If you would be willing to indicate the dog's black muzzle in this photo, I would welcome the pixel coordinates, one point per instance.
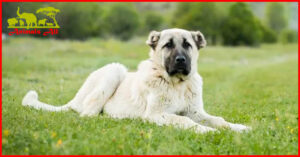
(180, 64)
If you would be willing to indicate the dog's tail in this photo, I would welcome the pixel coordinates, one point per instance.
(31, 100)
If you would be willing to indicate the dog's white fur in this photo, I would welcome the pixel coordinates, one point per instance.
(150, 93)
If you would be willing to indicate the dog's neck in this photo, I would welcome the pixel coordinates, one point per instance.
(160, 72)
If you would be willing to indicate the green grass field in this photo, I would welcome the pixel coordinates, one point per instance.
(252, 86)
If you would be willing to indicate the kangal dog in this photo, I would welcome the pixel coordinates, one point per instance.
(166, 89)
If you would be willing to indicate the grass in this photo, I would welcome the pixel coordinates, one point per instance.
(252, 86)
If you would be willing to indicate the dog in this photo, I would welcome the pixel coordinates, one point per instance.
(166, 89)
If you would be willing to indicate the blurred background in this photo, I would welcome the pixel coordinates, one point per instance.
(222, 23)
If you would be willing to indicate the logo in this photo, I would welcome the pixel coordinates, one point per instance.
(25, 21)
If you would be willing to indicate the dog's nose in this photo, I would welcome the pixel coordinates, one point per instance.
(180, 59)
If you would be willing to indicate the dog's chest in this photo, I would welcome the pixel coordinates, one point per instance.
(177, 99)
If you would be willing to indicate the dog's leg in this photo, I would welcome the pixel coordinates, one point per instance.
(198, 114)
(177, 121)
(155, 113)
(107, 82)
(93, 103)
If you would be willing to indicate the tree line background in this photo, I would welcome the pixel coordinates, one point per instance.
(225, 23)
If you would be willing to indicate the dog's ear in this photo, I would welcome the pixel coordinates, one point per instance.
(153, 39)
(199, 39)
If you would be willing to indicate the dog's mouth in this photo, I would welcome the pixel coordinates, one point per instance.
(179, 69)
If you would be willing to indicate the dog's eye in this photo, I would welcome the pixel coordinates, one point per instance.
(186, 45)
(169, 45)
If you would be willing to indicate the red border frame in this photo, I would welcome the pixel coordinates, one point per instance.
(1, 77)
(144, 1)
(149, 1)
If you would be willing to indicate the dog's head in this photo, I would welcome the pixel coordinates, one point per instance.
(176, 50)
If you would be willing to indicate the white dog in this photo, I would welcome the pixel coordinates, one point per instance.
(166, 89)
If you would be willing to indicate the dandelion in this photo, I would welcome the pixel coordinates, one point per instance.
(4, 141)
(59, 142)
(292, 130)
(277, 119)
(53, 134)
(6, 132)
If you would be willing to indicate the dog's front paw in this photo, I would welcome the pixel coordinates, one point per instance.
(204, 129)
(88, 114)
(239, 127)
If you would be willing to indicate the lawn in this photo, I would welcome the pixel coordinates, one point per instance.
(253, 86)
